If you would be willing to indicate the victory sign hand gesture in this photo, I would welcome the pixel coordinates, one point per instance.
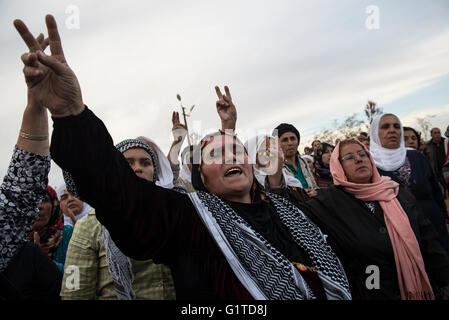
(226, 109)
(51, 83)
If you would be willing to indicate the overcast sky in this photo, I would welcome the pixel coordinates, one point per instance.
(302, 62)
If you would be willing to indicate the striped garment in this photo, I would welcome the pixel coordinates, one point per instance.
(87, 252)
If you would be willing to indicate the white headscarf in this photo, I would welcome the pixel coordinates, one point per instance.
(86, 208)
(386, 159)
(290, 179)
(307, 157)
(166, 174)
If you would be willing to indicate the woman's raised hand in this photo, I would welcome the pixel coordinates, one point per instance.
(51, 83)
(179, 132)
(226, 109)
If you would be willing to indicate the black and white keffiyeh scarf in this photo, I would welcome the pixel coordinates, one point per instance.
(261, 268)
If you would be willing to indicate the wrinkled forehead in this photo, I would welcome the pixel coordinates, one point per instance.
(389, 118)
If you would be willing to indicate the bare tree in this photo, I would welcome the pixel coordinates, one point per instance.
(371, 111)
(424, 124)
(350, 127)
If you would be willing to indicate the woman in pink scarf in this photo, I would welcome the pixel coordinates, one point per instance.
(388, 248)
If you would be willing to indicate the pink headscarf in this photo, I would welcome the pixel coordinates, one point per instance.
(413, 281)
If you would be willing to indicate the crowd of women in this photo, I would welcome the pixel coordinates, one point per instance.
(358, 218)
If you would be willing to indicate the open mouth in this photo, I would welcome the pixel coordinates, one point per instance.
(233, 171)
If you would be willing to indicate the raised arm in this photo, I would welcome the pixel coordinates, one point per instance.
(140, 216)
(51, 82)
(179, 132)
(24, 185)
(226, 109)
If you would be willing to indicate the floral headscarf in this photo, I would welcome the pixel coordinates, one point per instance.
(51, 234)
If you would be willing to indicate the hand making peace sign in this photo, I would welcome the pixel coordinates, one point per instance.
(51, 83)
(226, 109)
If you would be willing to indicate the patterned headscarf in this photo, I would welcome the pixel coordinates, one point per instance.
(164, 171)
(321, 170)
(136, 143)
(50, 234)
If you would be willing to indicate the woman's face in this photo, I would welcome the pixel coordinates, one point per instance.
(68, 201)
(326, 157)
(226, 170)
(410, 139)
(390, 132)
(141, 163)
(356, 163)
(46, 208)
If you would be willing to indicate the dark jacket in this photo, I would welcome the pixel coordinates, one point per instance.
(427, 192)
(360, 239)
(437, 157)
(147, 221)
(31, 275)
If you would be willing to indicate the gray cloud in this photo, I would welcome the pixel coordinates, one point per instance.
(304, 62)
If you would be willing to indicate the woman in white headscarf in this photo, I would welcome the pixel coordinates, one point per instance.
(410, 169)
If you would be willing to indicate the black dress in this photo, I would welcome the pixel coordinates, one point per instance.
(423, 185)
(31, 275)
(149, 222)
(357, 232)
